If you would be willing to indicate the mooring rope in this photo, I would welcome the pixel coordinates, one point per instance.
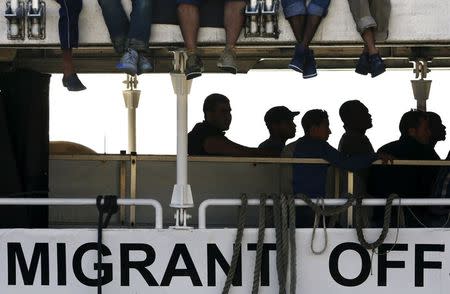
(237, 244)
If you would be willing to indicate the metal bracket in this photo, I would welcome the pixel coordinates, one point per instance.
(36, 20)
(421, 67)
(262, 19)
(179, 61)
(131, 82)
(16, 19)
(421, 87)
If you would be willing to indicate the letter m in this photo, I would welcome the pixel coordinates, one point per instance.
(40, 251)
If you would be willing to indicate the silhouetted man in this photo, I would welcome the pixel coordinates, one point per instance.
(208, 137)
(372, 22)
(357, 120)
(311, 179)
(189, 18)
(280, 123)
(407, 181)
(437, 128)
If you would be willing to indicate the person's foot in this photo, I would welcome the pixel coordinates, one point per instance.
(377, 66)
(129, 62)
(194, 66)
(73, 83)
(298, 60)
(227, 61)
(144, 65)
(363, 65)
(310, 67)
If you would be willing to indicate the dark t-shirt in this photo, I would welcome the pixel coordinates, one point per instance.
(273, 145)
(198, 135)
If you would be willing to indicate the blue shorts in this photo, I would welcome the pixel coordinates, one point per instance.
(298, 7)
(198, 2)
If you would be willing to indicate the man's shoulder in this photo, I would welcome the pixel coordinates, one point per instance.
(390, 146)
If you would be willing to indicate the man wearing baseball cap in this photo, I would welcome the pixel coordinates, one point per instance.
(280, 123)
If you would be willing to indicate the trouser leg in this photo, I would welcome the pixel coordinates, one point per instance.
(69, 13)
(117, 22)
(140, 24)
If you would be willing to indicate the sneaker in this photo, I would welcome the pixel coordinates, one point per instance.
(363, 65)
(310, 67)
(194, 66)
(129, 62)
(73, 83)
(227, 61)
(377, 66)
(144, 65)
(298, 61)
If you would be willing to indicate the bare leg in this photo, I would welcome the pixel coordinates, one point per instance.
(189, 18)
(68, 67)
(369, 41)
(298, 26)
(312, 23)
(233, 21)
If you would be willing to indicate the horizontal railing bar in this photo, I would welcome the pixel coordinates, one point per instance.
(172, 158)
(87, 202)
(327, 202)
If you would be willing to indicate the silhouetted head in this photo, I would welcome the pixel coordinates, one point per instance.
(217, 111)
(415, 124)
(315, 124)
(355, 116)
(280, 122)
(438, 130)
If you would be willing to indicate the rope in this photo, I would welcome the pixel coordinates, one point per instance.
(316, 223)
(320, 210)
(259, 246)
(110, 207)
(279, 240)
(386, 222)
(293, 245)
(237, 244)
(284, 219)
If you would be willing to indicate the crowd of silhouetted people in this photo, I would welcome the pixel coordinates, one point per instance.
(420, 131)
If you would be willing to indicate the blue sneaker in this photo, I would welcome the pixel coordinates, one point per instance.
(144, 65)
(377, 66)
(363, 65)
(298, 61)
(129, 62)
(310, 68)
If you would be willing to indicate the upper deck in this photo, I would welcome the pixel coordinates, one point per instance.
(417, 28)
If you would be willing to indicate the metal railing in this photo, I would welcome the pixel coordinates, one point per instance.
(87, 202)
(327, 202)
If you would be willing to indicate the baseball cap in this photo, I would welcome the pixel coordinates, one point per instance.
(279, 113)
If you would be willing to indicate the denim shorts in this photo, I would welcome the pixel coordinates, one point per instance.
(299, 7)
(199, 2)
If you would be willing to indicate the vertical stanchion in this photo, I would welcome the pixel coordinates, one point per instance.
(182, 194)
(133, 186)
(350, 188)
(122, 187)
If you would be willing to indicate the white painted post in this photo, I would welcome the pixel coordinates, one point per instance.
(131, 98)
(182, 194)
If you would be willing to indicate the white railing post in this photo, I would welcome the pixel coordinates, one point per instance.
(182, 194)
